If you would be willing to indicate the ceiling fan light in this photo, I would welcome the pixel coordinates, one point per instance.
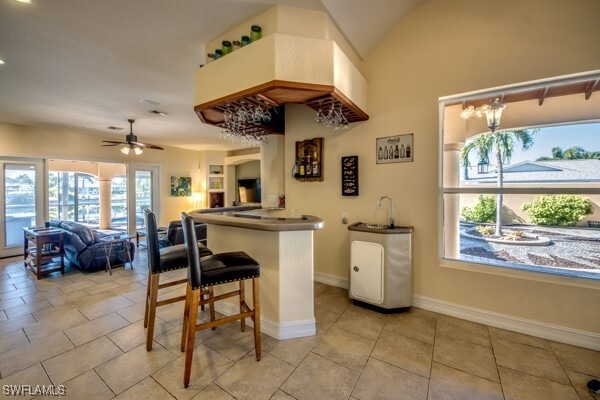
(138, 150)
(125, 150)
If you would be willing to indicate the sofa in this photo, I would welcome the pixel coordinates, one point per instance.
(85, 250)
(174, 234)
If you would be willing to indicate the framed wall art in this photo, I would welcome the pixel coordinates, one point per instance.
(394, 149)
(350, 176)
(181, 186)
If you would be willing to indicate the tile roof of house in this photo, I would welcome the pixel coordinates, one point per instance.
(563, 171)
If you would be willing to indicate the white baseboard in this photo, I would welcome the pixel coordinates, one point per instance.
(589, 340)
(556, 333)
(331, 280)
(276, 331)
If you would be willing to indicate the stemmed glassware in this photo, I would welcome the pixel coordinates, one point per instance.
(333, 118)
(239, 118)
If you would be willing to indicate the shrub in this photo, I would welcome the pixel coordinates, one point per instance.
(483, 211)
(514, 236)
(485, 230)
(559, 210)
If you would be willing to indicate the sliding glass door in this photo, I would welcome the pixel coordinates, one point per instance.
(144, 183)
(22, 200)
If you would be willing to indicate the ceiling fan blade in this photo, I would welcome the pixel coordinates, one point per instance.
(153, 146)
(113, 142)
(147, 145)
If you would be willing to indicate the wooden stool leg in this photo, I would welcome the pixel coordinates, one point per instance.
(186, 315)
(147, 308)
(242, 302)
(152, 312)
(211, 293)
(191, 334)
(256, 317)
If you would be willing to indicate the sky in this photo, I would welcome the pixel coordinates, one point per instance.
(586, 136)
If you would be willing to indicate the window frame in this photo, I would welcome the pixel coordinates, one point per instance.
(447, 261)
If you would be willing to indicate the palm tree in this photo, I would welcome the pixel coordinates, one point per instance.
(572, 153)
(502, 144)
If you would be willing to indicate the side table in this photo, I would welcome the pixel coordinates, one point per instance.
(108, 241)
(43, 250)
(144, 232)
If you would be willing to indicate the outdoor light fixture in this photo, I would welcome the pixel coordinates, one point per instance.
(483, 166)
(492, 112)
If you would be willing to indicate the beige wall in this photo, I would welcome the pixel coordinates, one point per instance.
(440, 49)
(21, 141)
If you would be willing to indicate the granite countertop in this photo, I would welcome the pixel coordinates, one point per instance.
(263, 219)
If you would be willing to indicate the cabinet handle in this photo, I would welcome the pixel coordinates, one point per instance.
(355, 268)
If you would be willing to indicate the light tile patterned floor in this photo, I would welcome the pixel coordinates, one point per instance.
(85, 331)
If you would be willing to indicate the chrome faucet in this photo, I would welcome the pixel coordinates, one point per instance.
(391, 208)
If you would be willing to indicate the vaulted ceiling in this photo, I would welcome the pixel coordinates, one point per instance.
(87, 65)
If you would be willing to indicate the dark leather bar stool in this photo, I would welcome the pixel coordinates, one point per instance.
(206, 273)
(161, 260)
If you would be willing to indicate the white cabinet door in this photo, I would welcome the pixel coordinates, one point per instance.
(366, 271)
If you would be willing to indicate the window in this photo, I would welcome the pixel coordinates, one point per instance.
(541, 165)
(118, 202)
(19, 201)
(73, 196)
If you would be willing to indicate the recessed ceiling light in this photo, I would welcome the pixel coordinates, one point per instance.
(2, 61)
(150, 102)
(157, 112)
(24, 1)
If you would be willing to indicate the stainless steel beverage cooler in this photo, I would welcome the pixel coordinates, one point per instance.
(381, 266)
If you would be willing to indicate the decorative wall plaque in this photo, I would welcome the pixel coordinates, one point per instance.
(350, 176)
(394, 149)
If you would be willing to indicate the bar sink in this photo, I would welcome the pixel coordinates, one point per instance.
(379, 228)
(372, 226)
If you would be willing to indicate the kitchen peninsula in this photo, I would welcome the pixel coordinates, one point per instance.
(283, 246)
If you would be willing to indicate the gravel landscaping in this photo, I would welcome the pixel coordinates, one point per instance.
(570, 251)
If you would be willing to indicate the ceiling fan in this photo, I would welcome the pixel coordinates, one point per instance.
(131, 144)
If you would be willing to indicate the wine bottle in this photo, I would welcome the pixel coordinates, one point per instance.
(302, 168)
(316, 171)
(396, 152)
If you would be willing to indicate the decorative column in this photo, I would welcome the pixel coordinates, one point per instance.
(452, 201)
(105, 208)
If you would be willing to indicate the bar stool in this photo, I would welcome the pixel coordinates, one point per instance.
(161, 260)
(206, 273)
